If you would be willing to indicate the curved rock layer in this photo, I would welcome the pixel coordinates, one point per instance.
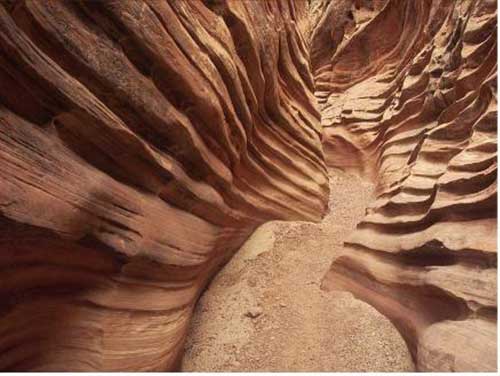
(141, 142)
(408, 97)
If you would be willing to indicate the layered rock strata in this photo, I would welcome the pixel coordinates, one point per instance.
(408, 98)
(141, 142)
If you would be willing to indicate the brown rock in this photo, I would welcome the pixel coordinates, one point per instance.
(254, 312)
(409, 101)
(141, 142)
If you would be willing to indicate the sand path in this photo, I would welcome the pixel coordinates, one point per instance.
(265, 310)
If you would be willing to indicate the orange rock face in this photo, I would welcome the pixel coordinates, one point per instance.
(408, 98)
(141, 142)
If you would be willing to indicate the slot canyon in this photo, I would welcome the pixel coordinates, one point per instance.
(343, 151)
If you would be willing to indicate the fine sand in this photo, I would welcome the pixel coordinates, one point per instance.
(265, 310)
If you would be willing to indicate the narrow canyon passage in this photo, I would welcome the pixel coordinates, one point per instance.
(143, 143)
(265, 310)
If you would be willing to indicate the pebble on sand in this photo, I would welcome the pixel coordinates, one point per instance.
(254, 312)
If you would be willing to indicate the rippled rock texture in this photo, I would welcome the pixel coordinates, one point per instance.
(141, 142)
(408, 98)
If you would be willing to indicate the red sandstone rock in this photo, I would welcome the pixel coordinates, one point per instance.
(141, 142)
(409, 100)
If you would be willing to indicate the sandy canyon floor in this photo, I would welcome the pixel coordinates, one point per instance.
(265, 310)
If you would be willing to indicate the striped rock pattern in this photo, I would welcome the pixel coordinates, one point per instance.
(408, 97)
(141, 142)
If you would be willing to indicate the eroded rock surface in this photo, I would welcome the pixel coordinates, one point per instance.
(408, 98)
(141, 142)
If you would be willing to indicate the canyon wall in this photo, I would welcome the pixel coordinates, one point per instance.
(408, 97)
(141, 142)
